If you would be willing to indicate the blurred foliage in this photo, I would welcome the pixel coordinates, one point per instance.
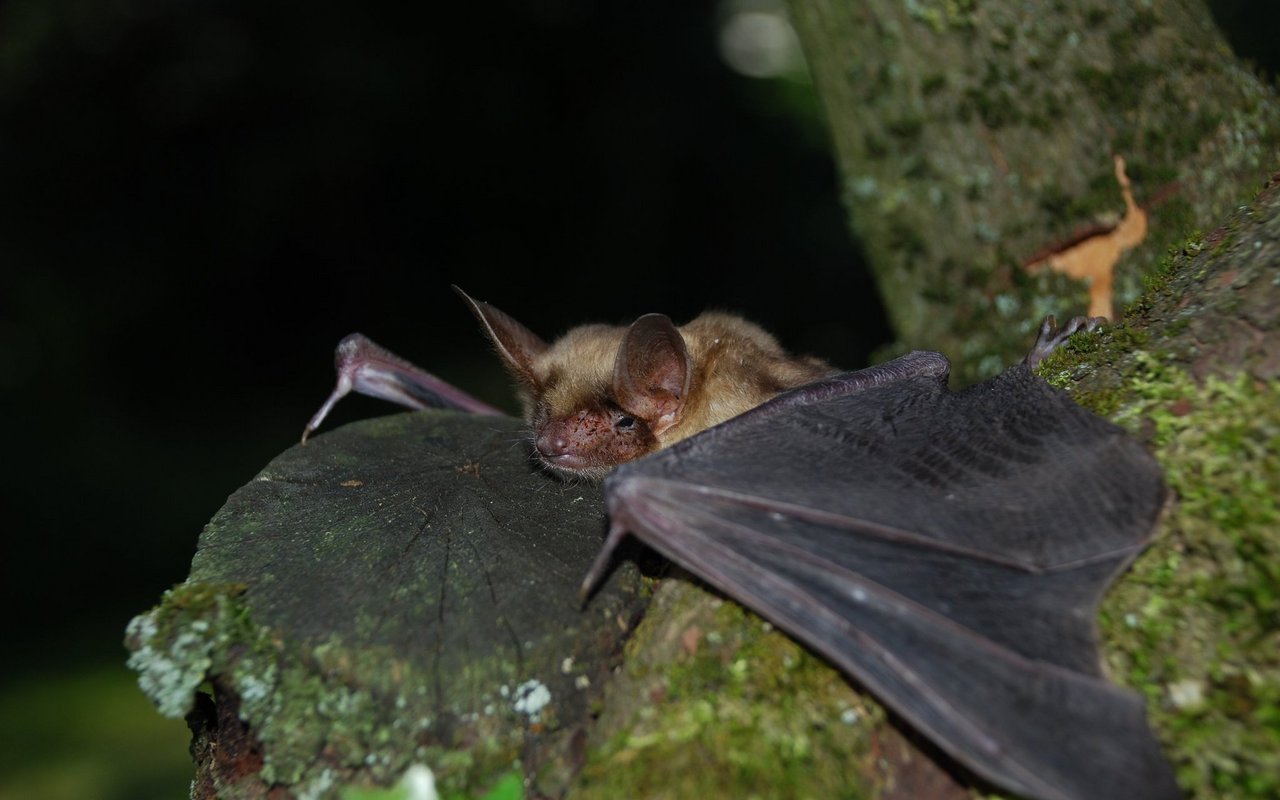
(88, 734)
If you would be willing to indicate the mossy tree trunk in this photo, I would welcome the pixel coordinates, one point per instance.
(972, 136)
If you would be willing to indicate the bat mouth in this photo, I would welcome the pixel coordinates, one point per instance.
(571, 467)
(569, 461)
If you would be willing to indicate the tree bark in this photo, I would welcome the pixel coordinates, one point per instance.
(971, 137)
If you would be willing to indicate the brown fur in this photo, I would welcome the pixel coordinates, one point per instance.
(737, 366)
(584, 424)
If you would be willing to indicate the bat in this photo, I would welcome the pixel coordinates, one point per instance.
(599, 395)
(947, 550)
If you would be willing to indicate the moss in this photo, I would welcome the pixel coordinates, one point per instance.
(905, 239)
(299, 701)
(1094, 16)
(1086, 352)
(943, 16)
(996, 100)
(730, 705)
(418, 783)
(919, 168)
(1196, 625)
(1054, 202)
(1158, 278)
(1121, 88)
(933, 83)
(1124, 38)
(1191, 136)
(174, 645)
(907, 128)
(876, 146)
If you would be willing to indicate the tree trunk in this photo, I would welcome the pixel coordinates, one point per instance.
(973, 137)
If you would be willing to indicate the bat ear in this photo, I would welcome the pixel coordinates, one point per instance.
(651, 373)
(517, 345)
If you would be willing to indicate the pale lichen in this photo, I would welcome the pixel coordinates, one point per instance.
(168, 670)
(531, 697)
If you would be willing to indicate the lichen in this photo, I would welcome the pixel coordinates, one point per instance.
(173, 645)
(531, 697)
(298, 702)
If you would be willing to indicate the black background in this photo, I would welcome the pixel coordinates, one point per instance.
(200, 199)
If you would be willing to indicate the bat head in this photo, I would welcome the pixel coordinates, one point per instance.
(597, 396)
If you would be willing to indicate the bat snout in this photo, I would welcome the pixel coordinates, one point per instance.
(550, 444)
(556, 448)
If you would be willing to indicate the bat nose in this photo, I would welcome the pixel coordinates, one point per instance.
(551, 445)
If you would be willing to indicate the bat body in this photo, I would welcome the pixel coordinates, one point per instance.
(601, 395)
(946, 549)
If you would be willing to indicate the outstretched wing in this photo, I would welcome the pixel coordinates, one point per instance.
(946, 549)
(367, 368)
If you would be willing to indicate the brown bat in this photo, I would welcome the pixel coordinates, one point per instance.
(601, 395)
(946, 549)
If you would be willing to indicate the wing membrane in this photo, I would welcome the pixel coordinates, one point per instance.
(948, 550)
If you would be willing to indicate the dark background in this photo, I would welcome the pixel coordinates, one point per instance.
(203, 200)
(197, 200)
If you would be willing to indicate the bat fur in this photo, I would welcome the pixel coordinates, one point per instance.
(601, 395)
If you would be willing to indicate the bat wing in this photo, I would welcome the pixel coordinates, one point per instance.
(367, 368)
(946, 549)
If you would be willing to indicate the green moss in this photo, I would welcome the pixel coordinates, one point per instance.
(1095, 80)
(904, 237)
(1121, 88)
(933, 83)
(418, 783)
(1196, 624)
(743, 707)
(993, 103)
(1094, 16)
(1054, 202)
(944, 15)
(907, 128)
(1125, 37)
(876, 146)
(1085, 352)
(918, 168)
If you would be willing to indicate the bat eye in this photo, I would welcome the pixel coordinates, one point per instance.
(625, 423)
